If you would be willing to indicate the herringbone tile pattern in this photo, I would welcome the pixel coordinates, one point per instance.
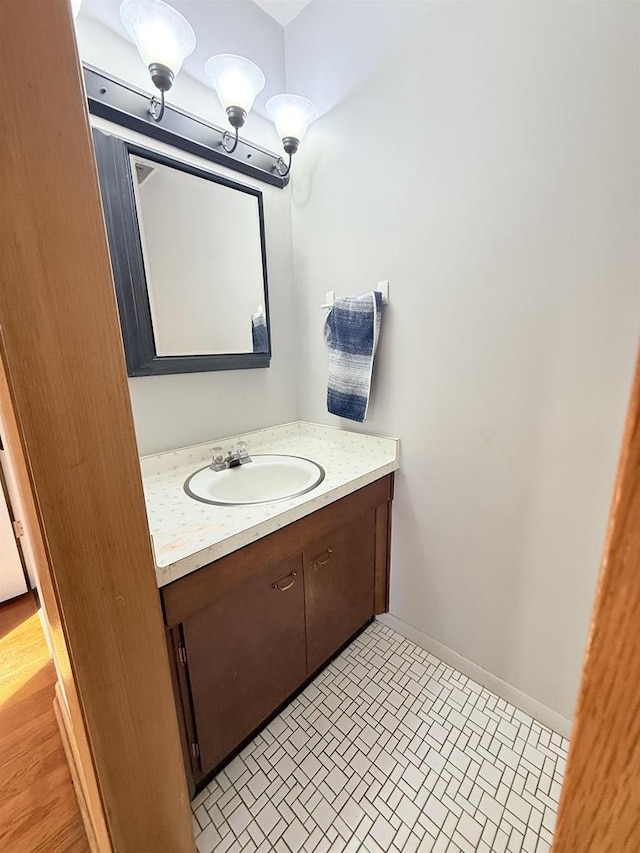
(388, 749)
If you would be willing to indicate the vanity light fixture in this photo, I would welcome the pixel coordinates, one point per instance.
(237, 81)
(292, 115)
(164, 39)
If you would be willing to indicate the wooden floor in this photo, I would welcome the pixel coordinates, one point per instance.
(38, 807)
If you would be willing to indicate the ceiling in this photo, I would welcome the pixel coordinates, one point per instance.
(284, 11)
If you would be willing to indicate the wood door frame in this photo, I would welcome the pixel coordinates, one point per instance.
(72, 439)
(66, 704)
(599, 807)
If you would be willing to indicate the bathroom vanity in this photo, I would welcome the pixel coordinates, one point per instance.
(277, 591)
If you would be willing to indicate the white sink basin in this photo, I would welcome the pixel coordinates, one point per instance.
(268, 477)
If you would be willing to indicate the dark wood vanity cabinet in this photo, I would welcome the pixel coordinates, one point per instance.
(246, 632)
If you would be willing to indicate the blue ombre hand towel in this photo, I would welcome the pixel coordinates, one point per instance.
(352, 330)
(259, 332)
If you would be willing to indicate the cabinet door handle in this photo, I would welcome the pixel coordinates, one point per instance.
(276, 584)
(319, 561)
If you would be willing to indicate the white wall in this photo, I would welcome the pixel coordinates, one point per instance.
(177, 410)
(484, 158)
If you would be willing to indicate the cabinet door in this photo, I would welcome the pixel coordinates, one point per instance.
(245, 655)
(339, 586)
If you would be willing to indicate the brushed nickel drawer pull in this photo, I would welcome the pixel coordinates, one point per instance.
(276, 584)
(317, 562)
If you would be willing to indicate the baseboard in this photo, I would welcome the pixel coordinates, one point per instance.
(496, 685)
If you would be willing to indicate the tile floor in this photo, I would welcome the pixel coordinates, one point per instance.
(388, 749)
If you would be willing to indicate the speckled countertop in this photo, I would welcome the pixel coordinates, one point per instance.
(188, 534)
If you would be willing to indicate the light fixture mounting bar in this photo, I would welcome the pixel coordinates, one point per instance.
(127, 106)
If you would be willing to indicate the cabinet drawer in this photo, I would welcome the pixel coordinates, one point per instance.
(246, 654)
(339, 586)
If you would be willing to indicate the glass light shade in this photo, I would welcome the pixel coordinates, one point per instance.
(236, 80)
(291, 114)
(75, 7)
(161, 33)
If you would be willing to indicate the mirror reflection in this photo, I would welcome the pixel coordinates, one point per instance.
(202, 252)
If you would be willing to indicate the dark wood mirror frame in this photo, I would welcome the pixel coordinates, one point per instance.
(121, 215)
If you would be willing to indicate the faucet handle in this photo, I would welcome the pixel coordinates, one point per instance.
(217, 458)
(243, 451)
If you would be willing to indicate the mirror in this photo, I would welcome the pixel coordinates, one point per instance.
(188, 255)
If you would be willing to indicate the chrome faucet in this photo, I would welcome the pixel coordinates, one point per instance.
(238, 456)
